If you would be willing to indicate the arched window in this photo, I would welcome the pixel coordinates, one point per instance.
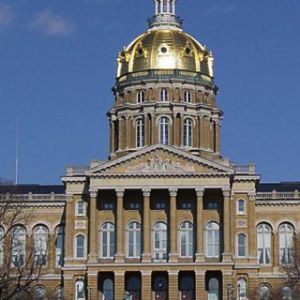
(212, 239)
(79, 290)
(286, 293)
(241, 245)
(60, 293)
(264, 244)
(41, 236)
(59, 245)
(140, 97)
(164, 125)
(213, 289)
(186, 239)
(18, 246)
(187, 97)
(140, 133)
(80, 246)
(108, 289)
(164, 95)
(165, 6)
(242, 289)
(286, 236)
(187, 132)
(80, 208)
(1, 246)
(160, 241)
(108, 240)
(241, 207)
(40, 293)
(264, 292)
(134, 239)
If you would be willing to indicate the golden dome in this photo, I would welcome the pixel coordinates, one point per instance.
(164, 49)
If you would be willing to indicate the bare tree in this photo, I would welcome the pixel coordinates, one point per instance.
(19, 268)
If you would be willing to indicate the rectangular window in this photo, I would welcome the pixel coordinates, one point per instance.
(107, 204)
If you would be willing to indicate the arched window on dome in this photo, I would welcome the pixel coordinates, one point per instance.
(140, 133)
(187, 132)
(140, 97)
(164, 95)
(164, 125)
(187, 97)
(286, 236)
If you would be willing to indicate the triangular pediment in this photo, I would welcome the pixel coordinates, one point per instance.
(160, 160)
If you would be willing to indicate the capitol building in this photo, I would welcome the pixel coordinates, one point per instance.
(166, 217)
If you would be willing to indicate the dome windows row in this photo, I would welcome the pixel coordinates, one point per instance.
(164, 96)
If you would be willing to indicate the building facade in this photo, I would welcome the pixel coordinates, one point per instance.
(167, 217)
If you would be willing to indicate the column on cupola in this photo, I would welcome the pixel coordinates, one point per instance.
(227, 256)
(205, 133)
(212, 135)
(196, 133)
(176, 129)
(128, 134)
(121, 128)
(173, 255)
(146, 129)
(112, 134)
(93, 227)
(146, 226)
(119, 226)
(200, 225)
(217, 137)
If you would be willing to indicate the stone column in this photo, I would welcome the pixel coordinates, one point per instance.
(146, 227)
(217, 137)
(275, 260)
(93, 228)
(146, 285)
(119, 285)
(200, 285)
(252, 242)
(227, 256)
(92, 287)
(120, 133)
(128, 135)
(200, 134)
(173, 285)
(119, 226)
(69, 229)
(227, 280)
(200, 256)
(173, 255)
(146, 130)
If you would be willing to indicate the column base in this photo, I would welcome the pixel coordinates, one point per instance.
(226, 257)
(200, 257)
(173, 257)
(119, 258)
(92, 258)
(146, 258)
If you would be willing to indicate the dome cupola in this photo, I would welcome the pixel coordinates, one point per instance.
(165, 91)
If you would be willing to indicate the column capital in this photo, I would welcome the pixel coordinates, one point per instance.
(226, 192)
(120, 193)
(146, 192)
(93, 193)
(70, 197)
(252, 196)
(173, 192)
(200, 192)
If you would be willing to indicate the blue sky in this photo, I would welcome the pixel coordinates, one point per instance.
(58, 63)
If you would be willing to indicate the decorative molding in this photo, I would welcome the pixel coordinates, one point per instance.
(80, 224)
(241, 223)
(226, 192)
(93, 194)
(252, 196)
(159, 165)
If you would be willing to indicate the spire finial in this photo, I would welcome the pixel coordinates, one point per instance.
(163, 7)
(165, 14)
